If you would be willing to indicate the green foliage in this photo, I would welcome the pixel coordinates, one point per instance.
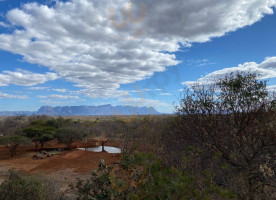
(19, 187)
(41, 131)
(61, 122)
(98, 187)
(12, 142)
(65, 130)
(68, 135)
(242, 92)
(142, 176)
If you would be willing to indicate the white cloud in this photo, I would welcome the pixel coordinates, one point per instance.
(200, 62)
(48, 89)
(84, 43)
(25, 78)
(52, 102)
(60, 90)
(147, 90)
(4, 25)
(266, 70)
(271, 88)
(57, 96)
(165, 94)
(11, 96)
(136, 91)
(38, 88)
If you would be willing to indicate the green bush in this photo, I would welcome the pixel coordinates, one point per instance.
(20, 187)
(143, 177)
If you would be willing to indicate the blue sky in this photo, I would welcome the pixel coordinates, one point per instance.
(61, 53)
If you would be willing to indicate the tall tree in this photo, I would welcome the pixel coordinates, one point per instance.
(233, 119)
(12, 142)
(70, 134)
(13, 125)
(40, 132)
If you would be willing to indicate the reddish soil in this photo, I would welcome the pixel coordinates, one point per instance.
(77, 161)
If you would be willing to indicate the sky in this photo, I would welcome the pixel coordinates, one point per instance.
(139, 53)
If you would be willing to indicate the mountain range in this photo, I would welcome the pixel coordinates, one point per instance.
(85, 110)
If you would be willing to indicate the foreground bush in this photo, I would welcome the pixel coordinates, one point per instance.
(140, 176)
(20, 187)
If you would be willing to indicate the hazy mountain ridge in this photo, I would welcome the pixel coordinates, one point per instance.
(86, 110)
(16, 113)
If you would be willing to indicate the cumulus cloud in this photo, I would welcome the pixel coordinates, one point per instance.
(25, 78)
(100, 45)
(4, 25)
(266, 70)
(11, 96)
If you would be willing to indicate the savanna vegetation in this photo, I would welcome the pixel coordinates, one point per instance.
(220, 144)
(21, 187)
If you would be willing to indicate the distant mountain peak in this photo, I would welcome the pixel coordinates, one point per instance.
(106, 109)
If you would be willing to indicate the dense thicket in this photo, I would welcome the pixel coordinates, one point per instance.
(229, 129)
(21, 187)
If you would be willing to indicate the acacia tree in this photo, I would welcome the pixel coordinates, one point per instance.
(12, 142)
(233, 122)
(40, 132)
(70, 134)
